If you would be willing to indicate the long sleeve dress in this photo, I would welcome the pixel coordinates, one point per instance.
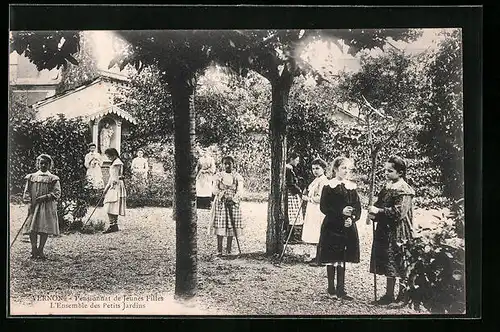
(42, 216)
(115, 200)
(227, 185)
(338, 243)
(314, 217)
(393, 228)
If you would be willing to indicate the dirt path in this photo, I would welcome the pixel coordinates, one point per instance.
(140, 260)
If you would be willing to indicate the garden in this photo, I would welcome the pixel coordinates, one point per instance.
(412, 106)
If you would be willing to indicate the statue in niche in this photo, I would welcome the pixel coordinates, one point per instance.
(106, 135)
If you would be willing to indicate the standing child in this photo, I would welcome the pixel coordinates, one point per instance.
(228, 189)
(204, 179)
(339, 241)
(115, 198)
(314, 217)
(42, 190)
(394, 217)
(93, 163)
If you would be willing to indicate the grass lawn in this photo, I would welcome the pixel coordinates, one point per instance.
(139, 261)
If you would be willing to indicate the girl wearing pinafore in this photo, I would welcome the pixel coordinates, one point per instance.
(393, 215)
(227, 190)
(339, 241)
(115, 198)
(42, 190)
(204, 180)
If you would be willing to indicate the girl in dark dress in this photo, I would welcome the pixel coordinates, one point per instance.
(339, 241)
(394, 217)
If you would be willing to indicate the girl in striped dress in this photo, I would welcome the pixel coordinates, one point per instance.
(42, 190)
(293, 200)
(226, 210)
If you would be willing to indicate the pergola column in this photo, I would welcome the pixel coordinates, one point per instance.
(118, 134)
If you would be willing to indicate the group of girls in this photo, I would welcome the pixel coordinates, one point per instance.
(333, 210)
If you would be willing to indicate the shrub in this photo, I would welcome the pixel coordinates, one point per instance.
(435, 265)
(157, 190)
(93, 227)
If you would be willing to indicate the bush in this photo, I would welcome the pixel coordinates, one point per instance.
(435, 265)
(157, 190)
(93, 227)
(65, 140)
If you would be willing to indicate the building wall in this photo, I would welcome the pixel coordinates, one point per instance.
(82, 102)
(29, 83)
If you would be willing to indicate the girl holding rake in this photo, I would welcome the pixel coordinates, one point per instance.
(42, 190)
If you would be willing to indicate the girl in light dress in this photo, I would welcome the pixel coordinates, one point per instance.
(115, 199)
(42, 190)
(93, 163)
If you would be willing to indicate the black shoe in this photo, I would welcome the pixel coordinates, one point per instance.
(111, 229)
(343, 295)
(402, 297)
(313, 262)
(384, 300)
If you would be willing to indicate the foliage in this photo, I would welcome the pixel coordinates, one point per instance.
(18, 109)
(75, 76)
(148, 100)
(156, 190)
(440, 112)
(435, 265)
(93, 227)
(65, 141)
(47, 50)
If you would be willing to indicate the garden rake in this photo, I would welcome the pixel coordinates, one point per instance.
(290, 234)
(229, 212)
(96, 206)
(20, 229)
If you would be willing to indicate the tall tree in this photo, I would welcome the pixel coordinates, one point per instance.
(181, 55)
(441, 113)
(86, 71)
(276, 55)
(386, 90)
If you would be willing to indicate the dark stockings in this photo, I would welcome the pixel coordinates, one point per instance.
(37, 251)
(229, 245)
(391, 282)
(34, 248)
(219, 244)
(330, 272)
(113, 219)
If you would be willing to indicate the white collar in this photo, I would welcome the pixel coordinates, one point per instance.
(117, 161)
(42, 173)
(348, 184)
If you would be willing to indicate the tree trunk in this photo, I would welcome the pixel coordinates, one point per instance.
(185, 190)
(275, 214)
